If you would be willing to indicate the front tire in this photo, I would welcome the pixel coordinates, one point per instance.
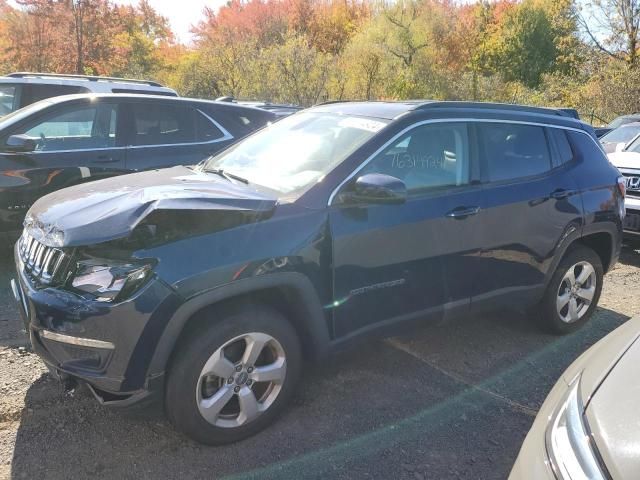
(231, 378)
(573, 293)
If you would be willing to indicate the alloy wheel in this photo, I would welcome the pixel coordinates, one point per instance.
(576, 292)
(241, 380)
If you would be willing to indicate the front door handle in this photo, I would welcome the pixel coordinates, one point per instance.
(561, 193)
(463, 212)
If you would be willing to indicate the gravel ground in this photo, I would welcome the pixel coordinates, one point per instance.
(452, 400)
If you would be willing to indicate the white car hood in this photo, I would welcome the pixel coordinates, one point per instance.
(625, 160)
(613, 414)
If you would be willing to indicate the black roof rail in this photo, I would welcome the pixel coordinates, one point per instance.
(91, 78)
(488, 105)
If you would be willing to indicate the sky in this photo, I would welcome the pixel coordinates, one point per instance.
(181, 13)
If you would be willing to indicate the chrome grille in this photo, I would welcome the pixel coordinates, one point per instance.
(44, 264)
(633, 184)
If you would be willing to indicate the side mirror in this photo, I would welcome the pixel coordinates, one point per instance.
(21, 143)
(378, 188)
(620, 147)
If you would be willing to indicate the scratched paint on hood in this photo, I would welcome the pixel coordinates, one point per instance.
(108, 209)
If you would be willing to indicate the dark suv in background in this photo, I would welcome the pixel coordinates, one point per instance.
(210, 286)
(73, 139)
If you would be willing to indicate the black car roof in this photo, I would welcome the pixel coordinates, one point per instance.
(393, 110)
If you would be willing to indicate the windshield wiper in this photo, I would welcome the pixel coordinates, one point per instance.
(227, 175)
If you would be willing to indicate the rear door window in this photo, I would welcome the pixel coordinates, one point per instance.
(161, 124)
(32, 93)
(512, 151)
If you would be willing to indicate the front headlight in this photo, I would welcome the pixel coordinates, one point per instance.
(109, 281)
(568, 441)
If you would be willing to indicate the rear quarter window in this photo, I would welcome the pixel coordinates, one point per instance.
(244, 120)
(586, 149)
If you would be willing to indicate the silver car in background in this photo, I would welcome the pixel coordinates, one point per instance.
(589, 425)
(616, 140)
(627, 161)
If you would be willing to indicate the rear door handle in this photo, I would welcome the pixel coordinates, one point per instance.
(463, 212)
(561, 193)
(105, 159)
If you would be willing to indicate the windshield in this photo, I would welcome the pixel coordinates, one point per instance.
(8, 98)
(622, 134)
(296, 152)
(22, 113)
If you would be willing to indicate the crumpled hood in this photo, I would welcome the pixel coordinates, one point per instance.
(625, 159)
(108, 209)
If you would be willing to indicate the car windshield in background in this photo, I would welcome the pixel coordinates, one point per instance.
(294, 153)
(7, 99)
(622, 134)
(618, 122)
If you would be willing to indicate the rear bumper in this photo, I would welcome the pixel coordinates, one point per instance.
(107, 346)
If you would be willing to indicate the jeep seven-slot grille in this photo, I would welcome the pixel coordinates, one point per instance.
(41, 263)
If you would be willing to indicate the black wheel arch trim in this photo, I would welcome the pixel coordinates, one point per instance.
(576, 235)
(615, 232)
(313, 320)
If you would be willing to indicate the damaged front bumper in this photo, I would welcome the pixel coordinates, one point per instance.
(107, 346)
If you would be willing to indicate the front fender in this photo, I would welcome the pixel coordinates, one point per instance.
(308, 308)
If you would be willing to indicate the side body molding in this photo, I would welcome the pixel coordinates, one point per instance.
(309, 312)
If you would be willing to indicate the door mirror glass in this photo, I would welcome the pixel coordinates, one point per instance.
(378, 188)
(21, 143)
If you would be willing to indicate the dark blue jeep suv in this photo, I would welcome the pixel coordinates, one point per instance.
(209, 286)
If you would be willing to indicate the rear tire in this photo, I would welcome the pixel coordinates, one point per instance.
(573, 292)
(231, 378)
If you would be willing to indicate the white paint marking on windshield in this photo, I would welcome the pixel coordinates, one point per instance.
(362, 124)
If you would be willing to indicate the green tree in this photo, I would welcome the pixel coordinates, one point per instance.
(523, 46)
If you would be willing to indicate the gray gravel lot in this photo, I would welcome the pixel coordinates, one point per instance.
(451, 400)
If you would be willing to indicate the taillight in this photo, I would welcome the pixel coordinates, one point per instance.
(622, 186)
